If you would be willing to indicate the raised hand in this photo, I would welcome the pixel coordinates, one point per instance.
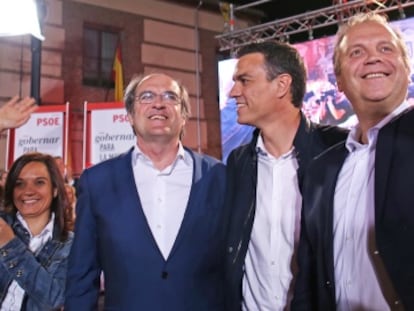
(16, 112)
(6, 232)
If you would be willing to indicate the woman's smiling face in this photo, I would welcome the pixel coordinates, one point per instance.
(33, 192)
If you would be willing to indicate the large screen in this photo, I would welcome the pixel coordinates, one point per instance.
(323, 103)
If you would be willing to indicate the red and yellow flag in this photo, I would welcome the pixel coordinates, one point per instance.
(118, 75)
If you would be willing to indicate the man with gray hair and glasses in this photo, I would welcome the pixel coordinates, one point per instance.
(149, 219)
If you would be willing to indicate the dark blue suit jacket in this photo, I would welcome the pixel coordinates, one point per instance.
(310, 140)
(394, 217)
(112, 235)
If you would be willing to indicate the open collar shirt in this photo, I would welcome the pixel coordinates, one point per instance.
(163, 194)
(268, 265)
(357, 285)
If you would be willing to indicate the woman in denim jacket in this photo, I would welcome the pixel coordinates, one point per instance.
(35, 236)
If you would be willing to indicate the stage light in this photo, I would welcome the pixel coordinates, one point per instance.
(310, 34)
(402, 13)
(19, 17)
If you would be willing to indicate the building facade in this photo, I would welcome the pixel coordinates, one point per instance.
(154, 36)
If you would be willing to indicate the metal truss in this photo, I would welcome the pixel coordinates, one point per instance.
(307, 22)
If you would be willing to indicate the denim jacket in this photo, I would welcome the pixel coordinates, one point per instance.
(41, 275)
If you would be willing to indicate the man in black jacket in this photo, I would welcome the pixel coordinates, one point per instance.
(358, 220)
(263, 199)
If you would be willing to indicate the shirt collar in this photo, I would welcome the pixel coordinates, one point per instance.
(352, 141)
(262, 151)
(47, 230)
(182, 154)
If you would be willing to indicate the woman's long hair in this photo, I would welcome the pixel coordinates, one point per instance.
(2, 172)
(59, 205)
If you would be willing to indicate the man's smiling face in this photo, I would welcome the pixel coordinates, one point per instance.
(373, 74)
(162, 117)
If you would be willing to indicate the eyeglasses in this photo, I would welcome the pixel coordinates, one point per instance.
(149, 97)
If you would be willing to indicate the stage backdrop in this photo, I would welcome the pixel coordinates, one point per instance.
(323, 103)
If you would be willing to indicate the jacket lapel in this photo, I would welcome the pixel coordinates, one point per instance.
(124, 181)
(242, 220)
(332, 167)
(193, 206)
(303, 142)
(383, 157)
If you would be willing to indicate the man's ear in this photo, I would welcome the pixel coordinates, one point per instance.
(130, 118)
(284, 81)
(131, 122)
(339, 84)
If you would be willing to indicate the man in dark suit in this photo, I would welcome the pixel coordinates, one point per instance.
(358, 220)
(263, 199)
(150, 218)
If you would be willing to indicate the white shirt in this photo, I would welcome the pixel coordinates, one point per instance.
(357, 284)
(163, 195)
(268, 265)
(15, 294)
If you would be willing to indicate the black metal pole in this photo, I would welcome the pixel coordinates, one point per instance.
(36, 47)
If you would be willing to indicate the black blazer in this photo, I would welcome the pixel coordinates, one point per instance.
(310, 140)
(394, 217)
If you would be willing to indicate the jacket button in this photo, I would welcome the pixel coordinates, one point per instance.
(19, 273)
(4, 253)
(12, 265)
(164, 275)
(230, 249)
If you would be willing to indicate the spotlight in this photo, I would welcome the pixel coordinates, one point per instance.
(310, 34)
(16, 21)
(287, 38)
(402, 13)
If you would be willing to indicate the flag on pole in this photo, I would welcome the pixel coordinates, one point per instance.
(117, 74)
